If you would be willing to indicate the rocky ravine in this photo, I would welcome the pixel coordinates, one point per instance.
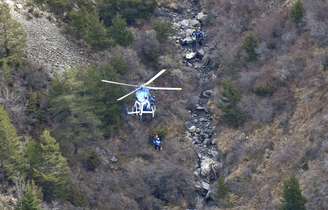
(47, 47)
(200, 130)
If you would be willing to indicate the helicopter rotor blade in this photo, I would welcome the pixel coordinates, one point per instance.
(155, 77)
(162, 88)
(119, 83)
(119, 99)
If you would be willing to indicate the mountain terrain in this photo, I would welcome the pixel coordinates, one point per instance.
(250, 121)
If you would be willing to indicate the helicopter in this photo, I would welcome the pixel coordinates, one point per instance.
(145, 102)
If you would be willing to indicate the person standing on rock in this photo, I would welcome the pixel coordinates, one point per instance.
(157, 142)
(198, 36)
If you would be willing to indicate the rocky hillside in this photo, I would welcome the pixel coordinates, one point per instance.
(251, 115)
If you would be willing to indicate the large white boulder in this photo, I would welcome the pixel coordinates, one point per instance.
(208, 165)
(201, 16)
(190, 55)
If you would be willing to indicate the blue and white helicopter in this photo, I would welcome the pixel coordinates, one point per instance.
(145, 103)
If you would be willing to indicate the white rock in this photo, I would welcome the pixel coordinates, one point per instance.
(207, 165)
(187, 40)
(189, 32)
(19, 6)
(201, 16)
(194, 22)
(205, 186)
(190, 55)
(184, 23)
(192, 129)
(114, 159)
(201, 52)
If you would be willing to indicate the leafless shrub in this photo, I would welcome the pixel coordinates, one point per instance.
(260, 109)
(317, 20)
(172, 185)
(148, 47)
(270, 28)
(131, 58)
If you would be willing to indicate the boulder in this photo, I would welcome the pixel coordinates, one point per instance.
(201, 16)
(192, 103)
(194, 23)
(205, 186)
(190, 55)
(192, 129)
(197, 172)
(201, 53)
(201, 108)
(207, 93)
(19, 6)
(114, 159)
(189, 32)
(187, 40)
(207, 166)
(184, 23)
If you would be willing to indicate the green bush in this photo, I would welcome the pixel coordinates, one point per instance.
(77, 197)
(231, 93)
(297, 11)
(11, 153)
(75, 122)
(59, 6)
(264, 90)
(82, 107)
(221, 194)
(56, 6)
(250, 44)
(160, 131)
(12, 39)
(119, 65)
(49, 168)
(101, 98)
(86, 25)
(324, 64)
(92, 161)
(222, 189)
(32, 198)
(120, 33)
(232, 115)
(36, 112)
(292, 196)
(128, 9)
(163, 30)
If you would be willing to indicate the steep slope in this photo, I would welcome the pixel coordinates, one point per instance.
(284, 132)
(47, 46)
(276, 71)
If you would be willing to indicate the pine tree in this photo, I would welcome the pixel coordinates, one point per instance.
(120, 32)
(297, 11)
(12, 38)
(85, 24)
(292, 196)
(10, 151)
(232, 114)
(250, 44)
(31, 199)
(51, 171)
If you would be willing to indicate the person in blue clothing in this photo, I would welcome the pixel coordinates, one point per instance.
(198, 35)
(157, 142)
(152, 100)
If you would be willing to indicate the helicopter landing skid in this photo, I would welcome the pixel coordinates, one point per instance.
(140, 113)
